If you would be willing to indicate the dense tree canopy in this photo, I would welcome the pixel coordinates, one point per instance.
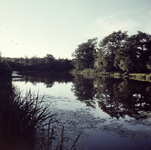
(3, 64)
(107, 50)
(47, 63)
(118, 51)
(85, 55)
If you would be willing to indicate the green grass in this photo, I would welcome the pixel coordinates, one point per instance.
(117, 75)
(91, 73)
(73, 72)
(88, 73)
(140, 76)
(148, 77)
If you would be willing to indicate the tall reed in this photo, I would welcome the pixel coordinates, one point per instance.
(21, 117)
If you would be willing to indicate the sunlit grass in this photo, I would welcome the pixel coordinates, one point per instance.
(140, 76)
(88, 73)
(73, 72)
(91, 73)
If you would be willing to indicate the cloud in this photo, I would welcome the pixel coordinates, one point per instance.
(103, 26)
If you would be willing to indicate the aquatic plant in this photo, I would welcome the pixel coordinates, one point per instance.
(21, 117)
(26, 121)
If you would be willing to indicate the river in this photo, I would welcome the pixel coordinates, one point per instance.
(101, 113)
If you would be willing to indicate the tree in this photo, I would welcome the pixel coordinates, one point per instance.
(143, 43)
(148, 64)
(85, 55)
(118, 51)
(49, 59)
(125, 58)
(135, 53)
(108, 49)
(104, 62)
(5, 69)
(113, 41)
(125, 64)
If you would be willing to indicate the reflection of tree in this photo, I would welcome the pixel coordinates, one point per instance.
(84, 90)
(121, 98)
(48, 78)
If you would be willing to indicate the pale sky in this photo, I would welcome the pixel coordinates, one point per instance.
(40, 27)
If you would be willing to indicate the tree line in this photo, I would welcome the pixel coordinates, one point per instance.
(5, 69)
(117, 52)
(47, 63)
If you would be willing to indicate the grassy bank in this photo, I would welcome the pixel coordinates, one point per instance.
(140, 76)
(91, 73)
(87, 73)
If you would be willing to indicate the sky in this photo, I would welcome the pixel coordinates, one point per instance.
(39, 27)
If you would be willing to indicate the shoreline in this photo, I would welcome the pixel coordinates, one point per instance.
(91, 73)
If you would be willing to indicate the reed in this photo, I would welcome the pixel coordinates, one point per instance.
(21, 116)
(26, 121)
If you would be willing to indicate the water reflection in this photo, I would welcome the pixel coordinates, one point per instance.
(84, 90)
(116, 97)
(44, 77)
(119, 98)
(127, 102)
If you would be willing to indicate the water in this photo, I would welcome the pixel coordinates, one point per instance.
(105, 113)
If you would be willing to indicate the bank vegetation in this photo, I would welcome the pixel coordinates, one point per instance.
(116, 55)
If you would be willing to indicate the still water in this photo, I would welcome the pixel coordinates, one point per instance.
(101, 113)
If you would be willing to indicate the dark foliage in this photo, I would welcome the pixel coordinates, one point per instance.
(46, 77)
(117, 97)
(20, 116)
(85, 55)
(121, 98)
(120, 52)
(5, 69)
(48, 63)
